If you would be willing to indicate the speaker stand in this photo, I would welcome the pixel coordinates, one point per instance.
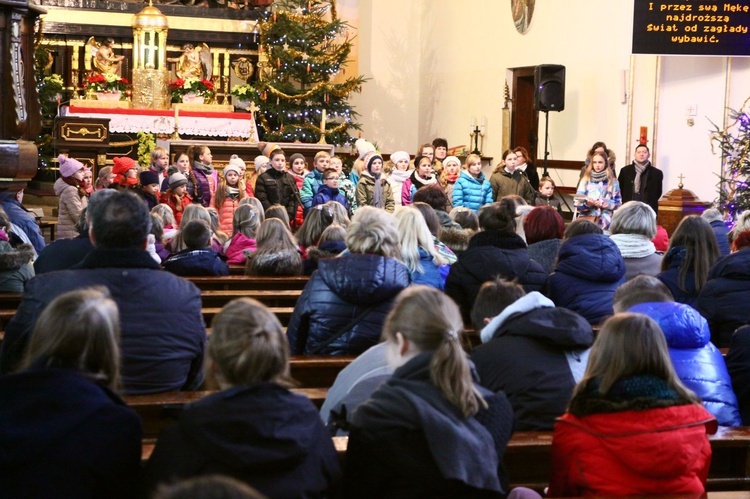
(546, 142)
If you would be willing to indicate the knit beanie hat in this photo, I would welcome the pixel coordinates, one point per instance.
(68, 166)
(176, 180)
(235, 160)
(147, 177)
(398, 156)
(363, 147)
(260, 162)
(371, 158)
(296, 156)
(232, 168)
(451, 159)
(267, 148)
(123, 164)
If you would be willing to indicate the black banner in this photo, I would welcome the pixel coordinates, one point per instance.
(691, 27)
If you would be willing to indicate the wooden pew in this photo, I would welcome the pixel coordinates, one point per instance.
(271, 298)
(234, 282)
(159, 410)
(313, 371)
(527, 460)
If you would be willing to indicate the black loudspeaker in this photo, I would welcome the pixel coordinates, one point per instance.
(549, 87)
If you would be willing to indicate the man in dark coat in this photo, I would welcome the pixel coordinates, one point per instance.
(640, 180)
(63, 254)
(533, 351)
(162, 330)
(22, 218)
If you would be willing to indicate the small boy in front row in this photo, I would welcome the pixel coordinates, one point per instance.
(198, 259)
(329, 191)
(546, 194)
(149, 190)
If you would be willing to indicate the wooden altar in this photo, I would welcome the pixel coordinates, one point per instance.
(676, 205)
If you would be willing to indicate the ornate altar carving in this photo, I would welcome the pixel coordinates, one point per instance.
(86, 139)
(150, 73)
(101, 57)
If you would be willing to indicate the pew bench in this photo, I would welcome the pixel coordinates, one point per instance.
(236, 282)
(527, 461)
(159, 410)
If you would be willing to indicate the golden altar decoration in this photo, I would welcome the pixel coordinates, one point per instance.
(150, 73)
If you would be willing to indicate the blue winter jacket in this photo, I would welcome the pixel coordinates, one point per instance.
(434, 275)
(326, 194)
(721, 232)
(470, 192)
(589, 270)
(338, 292)
(313, 181)
(698, 363)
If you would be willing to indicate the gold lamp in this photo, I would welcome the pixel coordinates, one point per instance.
(150, 73)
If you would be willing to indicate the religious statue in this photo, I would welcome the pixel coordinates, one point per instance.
(195, 62)
(104, 59)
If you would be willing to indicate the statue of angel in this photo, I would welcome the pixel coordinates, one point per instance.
(195, 62)
(103, 56)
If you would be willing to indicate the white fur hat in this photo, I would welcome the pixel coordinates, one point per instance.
(398, 156)
(453, 159)
(232, 168)
(235, 160)
(260, 162)
(363, 147)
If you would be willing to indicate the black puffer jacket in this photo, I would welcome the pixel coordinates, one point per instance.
(275, 187)
(535, 353)
(492, 254)
(721, 300)
(339, 291)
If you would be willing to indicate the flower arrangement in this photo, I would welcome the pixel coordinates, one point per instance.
(243, 92)
(200, 87)
(50, 88)
(106, 83)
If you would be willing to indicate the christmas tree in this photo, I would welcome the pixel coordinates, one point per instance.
(303, 47)
(734, 144)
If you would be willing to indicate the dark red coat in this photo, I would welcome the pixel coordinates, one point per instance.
(653, 451)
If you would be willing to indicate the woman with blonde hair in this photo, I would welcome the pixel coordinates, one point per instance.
(254, 429)
(428, 431)
(195, 212)
(72, 434)
(343, 306)
(276, 254)
(598, 193)
(426, 265)
(317, 219)
(632, 428)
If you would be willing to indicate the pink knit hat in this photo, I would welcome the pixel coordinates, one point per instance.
(68, 166)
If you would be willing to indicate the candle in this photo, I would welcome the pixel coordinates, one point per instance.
(484, 121)
(473, 122)
(323, 123)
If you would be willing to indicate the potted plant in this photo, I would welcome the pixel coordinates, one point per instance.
(192, 90)
(50, 88)
(243, 95)
(107, 87)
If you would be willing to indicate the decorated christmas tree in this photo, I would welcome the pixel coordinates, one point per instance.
(302, 89)
(734, 144)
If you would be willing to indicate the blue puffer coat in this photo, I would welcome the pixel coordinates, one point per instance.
(589, 270)
(720, 300)
(698, 363)
(340, 290)
(434, 275)
(470, 192)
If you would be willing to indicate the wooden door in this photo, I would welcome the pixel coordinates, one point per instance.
(524, 120)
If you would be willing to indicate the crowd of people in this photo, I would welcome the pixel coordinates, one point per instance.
(403, 258)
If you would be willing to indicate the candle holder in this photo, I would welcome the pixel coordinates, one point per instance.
(477, 134)
(323, 128)
(175, 133)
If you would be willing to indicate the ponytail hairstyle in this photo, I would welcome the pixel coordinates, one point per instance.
(500, 216)
(430, 320)
(198, 152)
(248, 345)
(245, 220)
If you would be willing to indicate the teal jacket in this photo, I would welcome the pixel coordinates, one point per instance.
(310, 187)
